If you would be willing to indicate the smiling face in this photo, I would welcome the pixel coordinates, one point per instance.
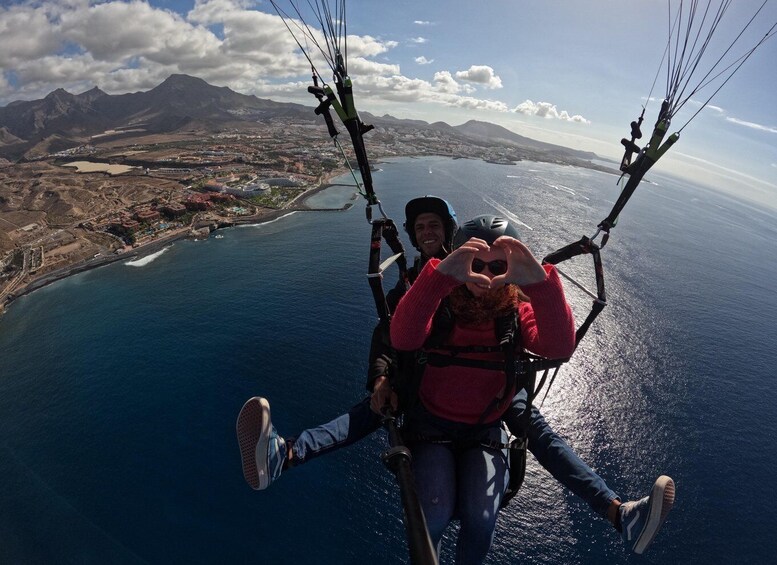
(493, 254)
(429, 233)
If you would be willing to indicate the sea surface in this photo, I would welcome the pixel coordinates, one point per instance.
(119, 387)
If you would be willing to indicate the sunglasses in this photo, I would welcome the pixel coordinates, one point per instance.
(497, 267)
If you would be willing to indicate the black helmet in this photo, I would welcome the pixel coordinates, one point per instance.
(430, 205)
(486, 227)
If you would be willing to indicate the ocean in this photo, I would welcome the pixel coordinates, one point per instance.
(119, 387)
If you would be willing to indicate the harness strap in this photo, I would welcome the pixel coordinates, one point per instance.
(441, 360)
(518, 462)
(521, 366)
(384, 228)
(584, 246)
(454, 350)
(509, 339)
(460, 443)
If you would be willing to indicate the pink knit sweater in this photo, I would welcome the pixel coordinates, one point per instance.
(462, 394)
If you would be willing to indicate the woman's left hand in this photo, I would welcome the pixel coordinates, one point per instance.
(522, 267)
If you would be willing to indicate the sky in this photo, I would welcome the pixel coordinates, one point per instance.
(566, 72)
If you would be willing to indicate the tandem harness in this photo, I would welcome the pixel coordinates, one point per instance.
(520, 369)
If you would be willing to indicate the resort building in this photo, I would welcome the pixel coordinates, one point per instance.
(146, 215)
(198, 202)
(174, 209)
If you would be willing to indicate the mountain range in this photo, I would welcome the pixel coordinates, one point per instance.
(63, 120)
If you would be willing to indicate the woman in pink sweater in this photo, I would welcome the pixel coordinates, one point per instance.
(489, 275)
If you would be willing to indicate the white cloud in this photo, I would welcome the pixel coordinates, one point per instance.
(423, 23)
(52, 69)
(547, 110)
(366, 46)
(722, 113)
(116, 30)
(751, 125)
(418, 40)
(359, 66)
(470, 103)
(481, 74)
(445, 82)
(408, 91)
(255, 37)
(727, 172)
(423, 60)
(25, 33)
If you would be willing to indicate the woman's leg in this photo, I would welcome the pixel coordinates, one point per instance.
(482, 478)
(434, 470)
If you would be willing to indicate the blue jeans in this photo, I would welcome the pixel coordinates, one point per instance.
(550, 450)
(359, 422)
(460, 479)
(555, 455)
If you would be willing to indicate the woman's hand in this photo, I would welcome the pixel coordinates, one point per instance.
(459, 263)
(522, 267)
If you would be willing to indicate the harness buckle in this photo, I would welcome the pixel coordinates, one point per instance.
(519, 443)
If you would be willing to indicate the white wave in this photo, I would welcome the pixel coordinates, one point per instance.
(562, 188)
(505, 212)
(260, 224)
(143, 261)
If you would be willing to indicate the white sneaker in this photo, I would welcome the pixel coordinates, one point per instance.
(262, 450)
(641, 519)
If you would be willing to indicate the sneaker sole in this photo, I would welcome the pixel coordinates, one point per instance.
(661, 502)
(253, 432)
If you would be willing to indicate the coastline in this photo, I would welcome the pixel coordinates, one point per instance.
(299, 204)
(196, 229)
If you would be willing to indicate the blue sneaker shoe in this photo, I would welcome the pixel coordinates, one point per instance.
(641, 519)
(262, 450)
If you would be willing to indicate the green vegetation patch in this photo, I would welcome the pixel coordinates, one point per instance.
(275, 197)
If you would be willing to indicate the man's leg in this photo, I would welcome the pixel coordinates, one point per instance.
(555, 455)
(359, 422)
(265, 454)
(638, 521)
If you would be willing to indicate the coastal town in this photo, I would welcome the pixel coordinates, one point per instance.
(109, 199)
(124, 192)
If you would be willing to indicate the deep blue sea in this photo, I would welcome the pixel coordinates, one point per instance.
(119, 387)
